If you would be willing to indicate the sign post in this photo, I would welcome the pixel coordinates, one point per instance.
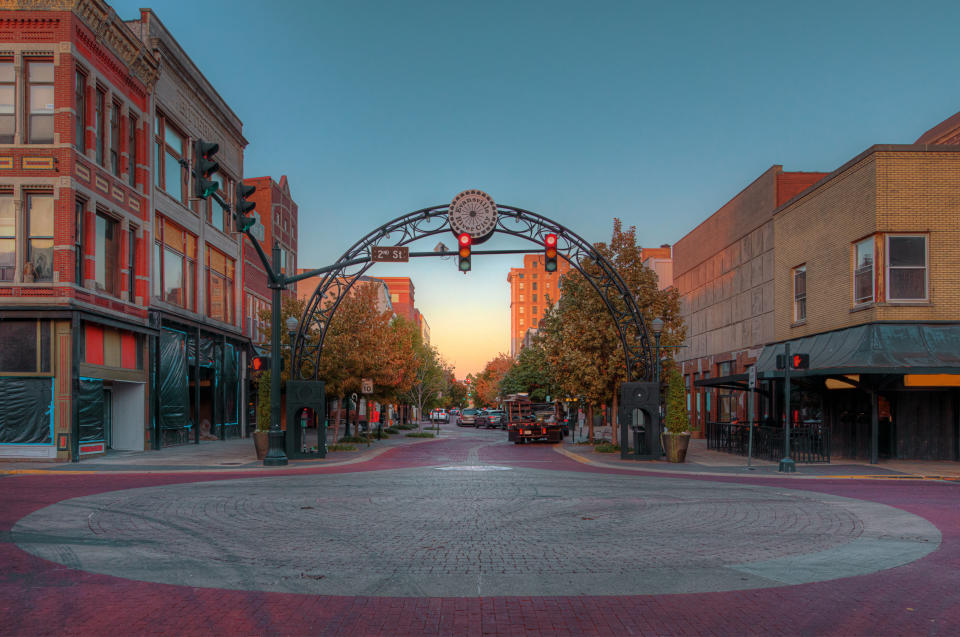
(752, 385)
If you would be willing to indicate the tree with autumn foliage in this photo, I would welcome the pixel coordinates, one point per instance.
(486, 384)
(581, 340)
(361, 342)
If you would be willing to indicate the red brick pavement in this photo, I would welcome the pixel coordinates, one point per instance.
(42, 598)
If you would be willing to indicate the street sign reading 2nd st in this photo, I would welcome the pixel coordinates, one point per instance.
(392, 254)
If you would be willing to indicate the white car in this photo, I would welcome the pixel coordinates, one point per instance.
(439, 415)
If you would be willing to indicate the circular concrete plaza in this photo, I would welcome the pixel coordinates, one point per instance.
(519, 532)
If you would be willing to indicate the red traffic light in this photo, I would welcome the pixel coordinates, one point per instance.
(465, 240)
(800, 361)
(260, 363)
(550, 243)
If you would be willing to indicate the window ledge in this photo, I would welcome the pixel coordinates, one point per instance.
(920, 303)
(799, 323)
(863, 306)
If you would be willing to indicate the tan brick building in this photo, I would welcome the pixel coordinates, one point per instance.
(874, 300)
(857, 269)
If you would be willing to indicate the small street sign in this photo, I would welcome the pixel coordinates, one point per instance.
(390, 254)
(752, 380)
(366, 385)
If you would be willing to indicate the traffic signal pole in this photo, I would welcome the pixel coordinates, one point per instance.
(786, 465)
(276, 456)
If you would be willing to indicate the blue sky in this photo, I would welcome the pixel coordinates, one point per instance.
(653, 112)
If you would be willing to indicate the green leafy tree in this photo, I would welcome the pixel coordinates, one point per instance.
(529, 374)
(429, 380)
(456, 393)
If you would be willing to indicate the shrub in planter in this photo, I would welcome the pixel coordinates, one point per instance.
(676, 435)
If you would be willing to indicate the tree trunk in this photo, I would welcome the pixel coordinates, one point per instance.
(590, 422)
(614, 420)
(336, 421)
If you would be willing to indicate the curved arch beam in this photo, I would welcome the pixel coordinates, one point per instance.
(513, 221)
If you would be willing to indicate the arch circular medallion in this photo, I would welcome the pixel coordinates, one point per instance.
(473, 212)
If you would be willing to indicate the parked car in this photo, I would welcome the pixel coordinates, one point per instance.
(439, 415)
(480, 419)
(468, 416)
(495, 418)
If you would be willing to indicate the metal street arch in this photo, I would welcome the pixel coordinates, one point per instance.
(510, 220)
(476, 212)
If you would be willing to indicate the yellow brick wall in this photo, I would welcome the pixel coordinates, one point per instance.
(920, 192)
(886, 191)
(818, 231)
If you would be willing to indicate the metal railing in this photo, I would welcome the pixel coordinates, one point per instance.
(809, 441)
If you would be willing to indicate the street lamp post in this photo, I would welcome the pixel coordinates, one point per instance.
(657, 327)
(292, 324)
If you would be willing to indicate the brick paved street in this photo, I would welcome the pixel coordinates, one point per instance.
(470, 535)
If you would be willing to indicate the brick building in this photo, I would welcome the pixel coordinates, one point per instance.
(854, 268)
(196, 293)
(277, 216)
(75, 229)
(723, 270)
(532, 289)
(660, 260)
(402, 296)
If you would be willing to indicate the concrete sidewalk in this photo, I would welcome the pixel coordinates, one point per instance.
(214, 455)
(701, 460)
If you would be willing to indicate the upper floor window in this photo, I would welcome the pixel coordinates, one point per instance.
(220, 273)
(800, 293)
(8, 237)
(106, 271)
(8, 100)
(132, 151)
(534, 286)
(80, 111)
(99, 124)
(40, 101)
(863, 272)
(175, 264)
(907, 267)
(39, 261)
(170, 155)
(132, 263)
(115, 139)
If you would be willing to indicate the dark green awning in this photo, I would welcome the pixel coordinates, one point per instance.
(876, 348)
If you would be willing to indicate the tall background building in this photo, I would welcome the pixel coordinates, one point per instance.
(532, 288)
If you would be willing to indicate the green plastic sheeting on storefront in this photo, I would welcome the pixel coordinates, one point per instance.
(174, 390)
(26, 416)
(90, 402)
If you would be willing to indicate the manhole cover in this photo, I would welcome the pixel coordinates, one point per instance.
(475, 467)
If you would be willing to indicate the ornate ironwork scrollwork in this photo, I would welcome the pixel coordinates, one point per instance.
(513, 221)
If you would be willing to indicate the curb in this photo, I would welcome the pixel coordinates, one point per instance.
(364, 456)
(589, 461)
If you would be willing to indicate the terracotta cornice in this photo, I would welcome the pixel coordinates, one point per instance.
(108, 29)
